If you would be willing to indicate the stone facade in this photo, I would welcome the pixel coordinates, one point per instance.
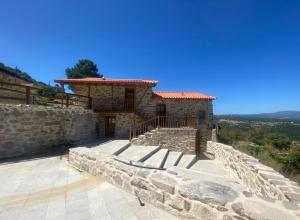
(124, 121)
(27, 130)
(260, 179)
(107, 98)
(175, 139)
(182, 196)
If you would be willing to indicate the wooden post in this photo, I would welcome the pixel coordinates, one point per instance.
(90, 103)
(158, 122)
(27, 95)
(67, 101)
(112, 98)
(89, 90)
(89, 97)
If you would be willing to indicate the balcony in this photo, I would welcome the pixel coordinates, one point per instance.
(113, 105)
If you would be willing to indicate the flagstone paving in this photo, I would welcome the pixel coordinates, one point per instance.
(49, 188)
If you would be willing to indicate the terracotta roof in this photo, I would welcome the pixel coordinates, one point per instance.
(183, 95)
(94, 80)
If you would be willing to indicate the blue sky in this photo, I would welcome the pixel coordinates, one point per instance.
(245, 52)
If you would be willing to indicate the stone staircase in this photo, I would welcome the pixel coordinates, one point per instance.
(152, 156)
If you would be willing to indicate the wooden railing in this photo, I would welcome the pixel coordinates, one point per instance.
(162, 122)
(113, 105)
(23, 94)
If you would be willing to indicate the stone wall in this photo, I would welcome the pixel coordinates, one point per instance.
(191, 108)
(27, 130)
(123, 123)
(175, 139)
(260, 179)
(104, 97)
(180, 195)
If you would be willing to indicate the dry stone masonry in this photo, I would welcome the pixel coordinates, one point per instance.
(260, 179)
(181, 194)
(174, 139)
(27, 129)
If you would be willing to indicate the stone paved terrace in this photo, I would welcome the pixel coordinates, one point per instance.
(49, 188)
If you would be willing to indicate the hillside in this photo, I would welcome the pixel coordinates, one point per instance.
(274, 142)
(21, 74)
(281, 115)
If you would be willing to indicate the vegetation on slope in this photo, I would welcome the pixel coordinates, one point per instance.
(276, 144)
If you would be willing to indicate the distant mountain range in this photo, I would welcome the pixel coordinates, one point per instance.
(282, 115)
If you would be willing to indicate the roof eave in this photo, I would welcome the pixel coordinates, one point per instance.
(152, 84)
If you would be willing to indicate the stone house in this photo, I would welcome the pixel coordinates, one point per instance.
(122, 104)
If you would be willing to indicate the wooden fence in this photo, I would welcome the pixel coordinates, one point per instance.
(25, 94)
(162, 122)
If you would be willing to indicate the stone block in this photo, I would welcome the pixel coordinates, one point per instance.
(140, 183)
(177, 202)
(163, 181)
(295, 197)
(202, 211)
(117, 179)
(207, 192)
(260, 210)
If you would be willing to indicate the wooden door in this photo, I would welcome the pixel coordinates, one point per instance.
(110, 124)
(129, 99)
(161, 111)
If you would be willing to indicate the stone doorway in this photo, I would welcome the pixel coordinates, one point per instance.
(110, 126)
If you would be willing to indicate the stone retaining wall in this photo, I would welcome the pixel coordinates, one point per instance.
(26, 130)
(260, 179)
(160, 188)
(180, 195)
(175, 139)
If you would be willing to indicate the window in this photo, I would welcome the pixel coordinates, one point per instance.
(201, 115)
(161, 110)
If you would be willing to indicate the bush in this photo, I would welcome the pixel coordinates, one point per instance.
(279, 141)
(47, 91)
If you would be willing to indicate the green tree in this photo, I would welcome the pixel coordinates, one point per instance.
(84, 68)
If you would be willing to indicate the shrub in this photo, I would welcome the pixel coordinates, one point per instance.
(279, 141)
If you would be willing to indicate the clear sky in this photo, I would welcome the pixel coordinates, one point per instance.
(246, 52)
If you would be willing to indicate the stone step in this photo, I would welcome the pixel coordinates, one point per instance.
(158, 159)
(186, 161)
(173, 158)
(139, 153)
(113, 147)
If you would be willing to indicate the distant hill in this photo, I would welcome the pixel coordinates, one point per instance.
(15, 72)
(282, 115)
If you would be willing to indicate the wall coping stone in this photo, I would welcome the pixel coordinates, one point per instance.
(259, 178)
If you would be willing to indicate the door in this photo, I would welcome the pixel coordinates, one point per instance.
(129, 99)
(161, 112)
(110, 124)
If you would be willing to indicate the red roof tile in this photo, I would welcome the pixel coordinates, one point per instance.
(183, 95)
(94, 80)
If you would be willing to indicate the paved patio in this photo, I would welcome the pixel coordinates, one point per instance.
(48, 188)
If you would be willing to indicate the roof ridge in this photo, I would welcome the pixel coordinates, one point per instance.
(183, 95)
